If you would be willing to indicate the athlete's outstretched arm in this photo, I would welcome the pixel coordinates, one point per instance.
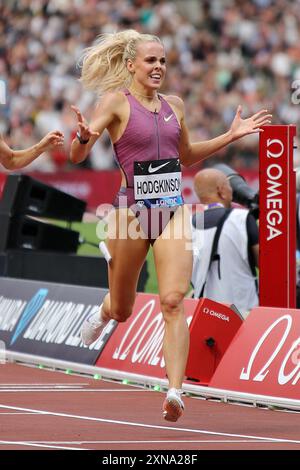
(191, 153)
(103, 116)
(16, 159)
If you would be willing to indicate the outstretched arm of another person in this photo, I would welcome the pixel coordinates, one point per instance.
(191, 153)
(102, 118)
(16, 159)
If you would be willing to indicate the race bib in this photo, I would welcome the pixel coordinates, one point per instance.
(157, 183)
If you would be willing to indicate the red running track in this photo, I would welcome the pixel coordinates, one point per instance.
(42, 409)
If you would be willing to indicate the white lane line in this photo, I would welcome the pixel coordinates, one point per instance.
(30, 444)
(147, 426)
(161, 441)
(16, 390)
(50, 384)
(33, 387)
(16, 413)
(5, 390)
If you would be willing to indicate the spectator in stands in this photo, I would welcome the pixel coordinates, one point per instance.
(225, 245)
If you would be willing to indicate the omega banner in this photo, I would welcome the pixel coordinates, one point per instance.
(277, 217)
(264, 357)
(45, 319)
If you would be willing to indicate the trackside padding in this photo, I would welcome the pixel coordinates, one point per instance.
(264, 356)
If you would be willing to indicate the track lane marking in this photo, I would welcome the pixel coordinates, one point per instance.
(161, 441)
(151, 426)
(37, 384)
(17, 413)
(28, 389)
(31, 444)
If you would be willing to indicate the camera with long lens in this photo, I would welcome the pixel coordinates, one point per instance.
(241, 192)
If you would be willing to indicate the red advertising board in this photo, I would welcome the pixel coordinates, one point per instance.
(277, 217)
(95, 187)
(136, 345)
(264, 356)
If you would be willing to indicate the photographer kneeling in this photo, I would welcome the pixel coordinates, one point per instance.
(225, 243)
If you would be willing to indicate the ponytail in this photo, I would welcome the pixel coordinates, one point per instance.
(104, 64)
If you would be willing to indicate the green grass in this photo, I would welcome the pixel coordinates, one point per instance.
(88, 233)
(151, 285)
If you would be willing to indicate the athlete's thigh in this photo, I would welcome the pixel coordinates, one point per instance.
(173, 254)
(128, 256)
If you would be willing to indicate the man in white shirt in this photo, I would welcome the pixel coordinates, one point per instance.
(229, 275)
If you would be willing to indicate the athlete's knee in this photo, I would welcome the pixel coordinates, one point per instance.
(171, 303)
(120, 313)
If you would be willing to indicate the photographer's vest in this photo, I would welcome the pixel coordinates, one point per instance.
(229, 277)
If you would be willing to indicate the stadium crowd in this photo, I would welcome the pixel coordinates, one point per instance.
(220, 53)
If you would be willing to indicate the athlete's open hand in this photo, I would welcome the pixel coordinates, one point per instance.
(83, 126)
(241, 127)
(51, 140)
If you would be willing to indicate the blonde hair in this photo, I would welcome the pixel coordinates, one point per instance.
(104, 64)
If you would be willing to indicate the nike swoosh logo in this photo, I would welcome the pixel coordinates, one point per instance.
(167, 119)
(153, 170)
